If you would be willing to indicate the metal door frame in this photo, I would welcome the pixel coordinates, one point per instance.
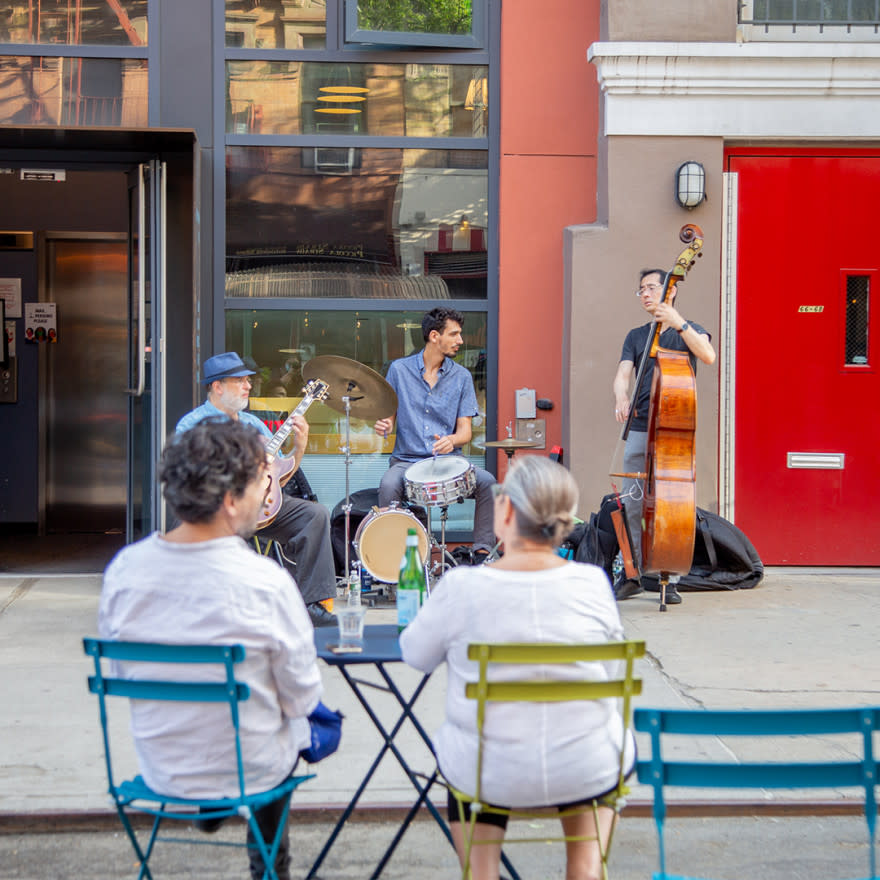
(152, 226)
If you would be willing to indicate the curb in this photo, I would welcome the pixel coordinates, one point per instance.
(91, 821)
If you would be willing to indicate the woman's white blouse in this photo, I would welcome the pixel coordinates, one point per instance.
(535, 754)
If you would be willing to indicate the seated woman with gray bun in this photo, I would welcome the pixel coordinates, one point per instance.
(534, 755)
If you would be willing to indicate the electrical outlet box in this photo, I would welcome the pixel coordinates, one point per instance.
(534, 430)
(525, 403)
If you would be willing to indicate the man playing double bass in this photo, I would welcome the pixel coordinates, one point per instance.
(676, 334)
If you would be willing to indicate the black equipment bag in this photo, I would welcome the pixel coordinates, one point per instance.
(724, 558)
(299, 487)
(595, 541)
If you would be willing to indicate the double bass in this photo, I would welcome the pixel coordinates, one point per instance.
(669, 504)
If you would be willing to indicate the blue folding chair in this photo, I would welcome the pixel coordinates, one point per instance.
(134, 794)
(659, 772)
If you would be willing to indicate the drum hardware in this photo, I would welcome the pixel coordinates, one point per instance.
(509, 445)
(439, 482)
(366, 395)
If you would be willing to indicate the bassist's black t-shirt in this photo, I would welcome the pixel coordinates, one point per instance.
(634, 348)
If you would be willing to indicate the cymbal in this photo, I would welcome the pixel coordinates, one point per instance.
(371, 396)
(511, 443)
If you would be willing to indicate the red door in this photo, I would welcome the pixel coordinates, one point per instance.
(807, 420)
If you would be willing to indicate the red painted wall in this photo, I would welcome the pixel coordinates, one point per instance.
(549, 119)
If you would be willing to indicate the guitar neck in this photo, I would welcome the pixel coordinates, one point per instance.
(280, 436)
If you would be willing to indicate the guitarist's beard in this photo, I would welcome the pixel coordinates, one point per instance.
(230, 400)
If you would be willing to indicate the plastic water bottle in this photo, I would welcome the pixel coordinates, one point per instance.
(410, 583)
(354, 585)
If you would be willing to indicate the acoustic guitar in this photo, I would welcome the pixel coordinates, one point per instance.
(281, 467)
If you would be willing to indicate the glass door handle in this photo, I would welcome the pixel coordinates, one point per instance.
(142, 291)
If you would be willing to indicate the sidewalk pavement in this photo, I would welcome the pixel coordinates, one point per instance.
(802, 638)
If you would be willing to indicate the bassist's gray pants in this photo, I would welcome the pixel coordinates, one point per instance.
(634, 455)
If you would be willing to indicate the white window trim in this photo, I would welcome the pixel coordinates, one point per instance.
(739, 90)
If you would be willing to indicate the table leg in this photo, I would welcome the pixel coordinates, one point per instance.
(388, 737)
(389, 745)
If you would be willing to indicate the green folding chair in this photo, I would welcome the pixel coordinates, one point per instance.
(530, 689)
(134, 794)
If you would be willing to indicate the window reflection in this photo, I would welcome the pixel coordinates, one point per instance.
(363, 223)
(415, 16)
(393, 100)
(75, 22)
(73, 91)
(276, 24)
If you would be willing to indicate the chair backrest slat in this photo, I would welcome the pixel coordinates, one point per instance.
(180, 691)
(543, 652)
(153, 652)
(801, 774)
(553, 691)
(757, 722)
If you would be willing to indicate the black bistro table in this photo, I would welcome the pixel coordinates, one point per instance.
(381, 650)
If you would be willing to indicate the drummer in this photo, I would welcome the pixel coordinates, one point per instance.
(436, 402)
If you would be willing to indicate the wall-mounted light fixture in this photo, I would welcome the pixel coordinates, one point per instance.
(690, 184)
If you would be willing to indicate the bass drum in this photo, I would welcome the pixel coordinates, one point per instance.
(380, 541)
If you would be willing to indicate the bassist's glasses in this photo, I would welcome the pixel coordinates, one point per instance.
(648, 288)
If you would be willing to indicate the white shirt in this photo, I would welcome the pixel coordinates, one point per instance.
(215, 592)
(535, 754)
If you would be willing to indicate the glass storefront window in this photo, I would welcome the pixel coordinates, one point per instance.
(269, 24)
(73, 91)
(392, 100)
(452, 23)
(358, 223)
(76, 22)
(282, 342)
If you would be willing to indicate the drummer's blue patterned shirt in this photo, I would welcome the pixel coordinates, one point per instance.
(423, 411)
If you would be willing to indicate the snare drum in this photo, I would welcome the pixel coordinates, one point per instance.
(380, 541)
(441, 481)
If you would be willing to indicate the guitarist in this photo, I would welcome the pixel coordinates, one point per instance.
(676, 334)
(301, 528)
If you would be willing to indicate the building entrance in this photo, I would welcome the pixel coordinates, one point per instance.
(86, 407)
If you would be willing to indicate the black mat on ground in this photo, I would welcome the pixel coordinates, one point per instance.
(58, 554)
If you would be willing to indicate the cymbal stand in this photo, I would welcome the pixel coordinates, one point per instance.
(346, 399)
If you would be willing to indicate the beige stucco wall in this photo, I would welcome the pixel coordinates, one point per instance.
(602, 263)
(678, 20)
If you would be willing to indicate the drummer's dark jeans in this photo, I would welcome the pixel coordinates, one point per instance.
(391, 488)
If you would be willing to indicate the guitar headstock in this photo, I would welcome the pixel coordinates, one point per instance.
(316, 390)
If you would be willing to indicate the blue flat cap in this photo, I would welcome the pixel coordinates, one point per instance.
(223, 366)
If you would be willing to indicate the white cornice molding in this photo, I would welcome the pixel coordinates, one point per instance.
(755, 90)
